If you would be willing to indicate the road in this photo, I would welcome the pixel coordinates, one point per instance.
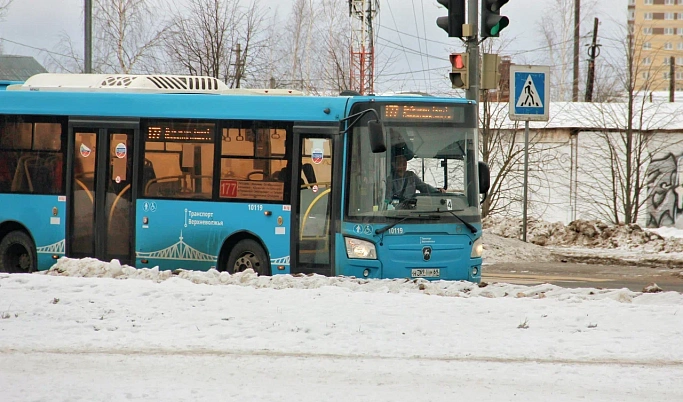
(201, 376)
(575, 275)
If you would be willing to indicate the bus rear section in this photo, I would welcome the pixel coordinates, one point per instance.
(32, 192)
(412, 210)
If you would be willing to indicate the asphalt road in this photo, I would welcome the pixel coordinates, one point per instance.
(576, 275)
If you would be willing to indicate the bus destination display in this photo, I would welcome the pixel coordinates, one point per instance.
(421, 112)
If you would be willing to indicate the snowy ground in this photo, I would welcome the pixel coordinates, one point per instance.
(93, 331)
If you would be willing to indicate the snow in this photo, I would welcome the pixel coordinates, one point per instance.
(101, 331)
(582, 240)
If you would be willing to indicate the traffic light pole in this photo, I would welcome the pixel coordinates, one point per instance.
(472, 44)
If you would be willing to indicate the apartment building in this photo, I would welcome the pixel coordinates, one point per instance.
(656, 28)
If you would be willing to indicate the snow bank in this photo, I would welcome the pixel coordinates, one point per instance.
(582, 241)
(583, 233)
(89, 267)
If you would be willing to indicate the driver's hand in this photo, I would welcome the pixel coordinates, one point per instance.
(441, 190)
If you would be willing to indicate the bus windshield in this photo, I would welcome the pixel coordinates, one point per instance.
(426, 168)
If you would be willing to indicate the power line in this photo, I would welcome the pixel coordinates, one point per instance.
(424, 31)
(406, 50)
(391, 11)
(419, 44)
(37, 48)
(418, 37)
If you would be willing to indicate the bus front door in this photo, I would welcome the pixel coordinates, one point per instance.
(313, 239)
(100, 194)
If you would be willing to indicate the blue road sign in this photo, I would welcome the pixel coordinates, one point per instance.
(529, 88)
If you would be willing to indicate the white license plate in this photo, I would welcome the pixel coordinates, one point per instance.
(426, 273)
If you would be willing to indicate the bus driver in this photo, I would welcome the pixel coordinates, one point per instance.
(402, 184)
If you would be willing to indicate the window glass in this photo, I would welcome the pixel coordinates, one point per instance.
(16, 135)
(31, 156)
(47, 136)
(178, 160)
(254, 165)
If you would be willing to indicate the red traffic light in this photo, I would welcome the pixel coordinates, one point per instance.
(457, 61)
(458, 75)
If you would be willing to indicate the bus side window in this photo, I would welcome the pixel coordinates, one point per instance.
(179, 159)
(7, 169)
(30, 156)
(254, 162)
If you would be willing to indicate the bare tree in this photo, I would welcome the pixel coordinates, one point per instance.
(557, 31)
(501, 143)
(4, 6)
(126, 38)
(205, 37)
(333, 57)
(618, 155)
(502, 147)
(127, 34)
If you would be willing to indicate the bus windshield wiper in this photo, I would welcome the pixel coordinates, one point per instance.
(469, 225)
(384, 229)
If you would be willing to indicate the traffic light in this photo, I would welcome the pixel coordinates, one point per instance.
(456, 17)
(491, 20)
(490, 71)
(459, 76)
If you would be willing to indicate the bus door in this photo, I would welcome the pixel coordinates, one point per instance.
(312, 237)
(100, 192)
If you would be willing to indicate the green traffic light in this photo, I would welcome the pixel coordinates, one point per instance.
(502, 23)
(491, 20)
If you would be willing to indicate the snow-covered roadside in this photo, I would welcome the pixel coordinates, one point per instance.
(582, 241)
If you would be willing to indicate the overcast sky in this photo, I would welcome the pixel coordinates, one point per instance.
(420, 64)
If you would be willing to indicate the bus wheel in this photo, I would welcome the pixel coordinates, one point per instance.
(17, 253)
(248, 254)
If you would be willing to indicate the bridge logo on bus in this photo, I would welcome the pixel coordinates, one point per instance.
(317, 156)
(426, 253)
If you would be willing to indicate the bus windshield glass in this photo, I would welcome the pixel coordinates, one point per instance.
(429, 166)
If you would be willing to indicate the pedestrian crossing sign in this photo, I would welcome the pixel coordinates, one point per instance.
(529, 91)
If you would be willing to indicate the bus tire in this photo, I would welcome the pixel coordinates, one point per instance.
(248, 254)
(17, 253)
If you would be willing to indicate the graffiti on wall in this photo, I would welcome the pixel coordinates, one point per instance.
(665, 191)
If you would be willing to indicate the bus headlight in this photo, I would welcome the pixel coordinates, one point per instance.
(477, 248)
(356, 248)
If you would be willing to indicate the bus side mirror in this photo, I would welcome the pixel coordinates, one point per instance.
(376, 130)
(484, 178)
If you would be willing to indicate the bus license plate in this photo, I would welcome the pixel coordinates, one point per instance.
(426, 273)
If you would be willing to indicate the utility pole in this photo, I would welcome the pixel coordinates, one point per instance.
(577, 17)
(238, 64)
(672, 78)
(472, 44)
(593, 52)
(87, 52)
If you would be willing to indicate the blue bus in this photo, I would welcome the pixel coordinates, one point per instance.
(183, 172)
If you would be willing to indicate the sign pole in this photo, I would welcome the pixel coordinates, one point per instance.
(526, 178)
(529, 100)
